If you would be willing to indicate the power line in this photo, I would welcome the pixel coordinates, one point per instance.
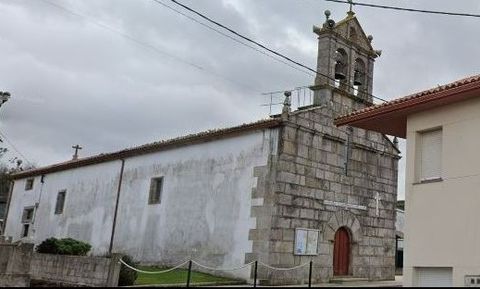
(256, 43)
(406, 9)
(14, 147)
(147, 45)
(232, 38)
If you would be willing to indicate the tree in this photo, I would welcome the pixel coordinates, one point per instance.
(6, 168)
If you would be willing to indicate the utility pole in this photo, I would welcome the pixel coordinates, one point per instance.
(4, 196)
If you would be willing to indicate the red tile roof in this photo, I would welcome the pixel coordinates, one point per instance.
(398, 109)
(152, 147)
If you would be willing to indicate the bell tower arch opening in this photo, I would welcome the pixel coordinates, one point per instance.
(359, 80)
(341, 68)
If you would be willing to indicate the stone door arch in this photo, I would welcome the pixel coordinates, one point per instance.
(343, 218)
(347, 221)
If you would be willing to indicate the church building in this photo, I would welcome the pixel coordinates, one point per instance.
(285, 191)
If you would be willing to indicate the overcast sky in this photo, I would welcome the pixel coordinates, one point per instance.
(74, 81)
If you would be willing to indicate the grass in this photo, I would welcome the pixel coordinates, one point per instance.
(175, 277)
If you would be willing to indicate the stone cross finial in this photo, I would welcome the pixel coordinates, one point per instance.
(77, 148)
(327, 14)
(350, 12)
(287, 103)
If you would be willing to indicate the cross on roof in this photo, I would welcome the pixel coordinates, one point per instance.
(351, 8)
(77, 148)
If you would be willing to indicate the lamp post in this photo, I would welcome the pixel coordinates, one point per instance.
(4, 97)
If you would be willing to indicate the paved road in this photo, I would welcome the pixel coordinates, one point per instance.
(397, 283)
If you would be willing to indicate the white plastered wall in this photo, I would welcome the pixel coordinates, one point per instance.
(205, 209)
(442, 218)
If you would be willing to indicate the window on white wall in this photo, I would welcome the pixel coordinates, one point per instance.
(60, 202)
(430, 155)
(29, 184)
(156, 187)
(27, 220)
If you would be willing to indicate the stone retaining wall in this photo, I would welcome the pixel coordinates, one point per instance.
(80, 270)
(14, 280)
(19, 264)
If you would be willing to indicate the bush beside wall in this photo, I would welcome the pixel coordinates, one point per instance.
(66, 246)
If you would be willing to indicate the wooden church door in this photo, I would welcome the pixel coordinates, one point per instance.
(341, 252)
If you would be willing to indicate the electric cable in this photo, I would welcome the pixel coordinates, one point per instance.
(147, 45)
(232, 38)
(248, 39)
(406, 9)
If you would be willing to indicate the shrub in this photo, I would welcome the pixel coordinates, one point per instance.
(127, 276)
(49, 246)
(66, 246)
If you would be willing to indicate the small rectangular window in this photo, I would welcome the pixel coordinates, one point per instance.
(25, 229)
(28, 184)
(430, 155)
(156, 186)
(27, 216)
(27, 220)
(60, 202)
(2, 210)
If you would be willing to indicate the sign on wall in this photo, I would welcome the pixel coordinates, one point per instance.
(306, 241)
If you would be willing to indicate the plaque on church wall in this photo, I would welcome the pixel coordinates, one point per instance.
(306, 242)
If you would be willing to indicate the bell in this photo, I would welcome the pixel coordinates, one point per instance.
(357, 78)
(339, 71)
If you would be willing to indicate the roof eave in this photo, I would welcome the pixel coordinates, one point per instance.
(150, 148)
(388, 114)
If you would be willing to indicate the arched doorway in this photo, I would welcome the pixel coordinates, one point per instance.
(341, 252)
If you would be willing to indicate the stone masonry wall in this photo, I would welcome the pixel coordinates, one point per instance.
(19, 264)
(79, 270)
(311, 174)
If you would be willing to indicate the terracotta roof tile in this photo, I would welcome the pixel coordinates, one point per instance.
(151, 147)
(417, 95)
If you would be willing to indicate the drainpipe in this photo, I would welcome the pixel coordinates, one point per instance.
(8, 207)
(116, 207)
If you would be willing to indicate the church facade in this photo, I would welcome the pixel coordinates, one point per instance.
(284, 191)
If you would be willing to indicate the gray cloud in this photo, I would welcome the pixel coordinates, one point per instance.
(75, 82)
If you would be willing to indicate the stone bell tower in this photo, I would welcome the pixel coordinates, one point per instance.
(345, 61)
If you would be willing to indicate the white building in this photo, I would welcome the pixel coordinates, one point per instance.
(442, 230)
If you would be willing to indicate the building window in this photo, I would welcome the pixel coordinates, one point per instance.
(2, 210)
(27, 220)
(60, 202)
(430, 155)
(27, 216)
(28, 184)
(156, 186)
(25, 230)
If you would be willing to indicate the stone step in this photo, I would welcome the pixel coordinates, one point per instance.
(347, 279)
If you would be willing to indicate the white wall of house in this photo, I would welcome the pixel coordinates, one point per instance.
(442, 218)
(204, 211)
